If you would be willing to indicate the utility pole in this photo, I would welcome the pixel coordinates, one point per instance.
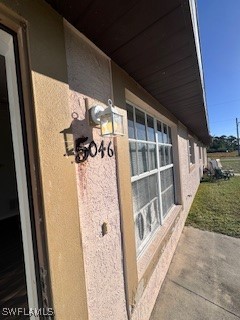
(238, 136)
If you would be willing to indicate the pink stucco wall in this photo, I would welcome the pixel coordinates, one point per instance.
(190, 177)
(90, 84)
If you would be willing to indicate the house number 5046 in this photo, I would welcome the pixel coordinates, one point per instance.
(82, 152)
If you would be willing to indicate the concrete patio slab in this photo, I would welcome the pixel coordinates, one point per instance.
(203, 281)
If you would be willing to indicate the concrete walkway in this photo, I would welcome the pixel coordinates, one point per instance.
(203, 282)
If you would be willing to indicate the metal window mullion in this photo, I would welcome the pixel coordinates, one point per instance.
(142, 141)
(165, 144)
(166, 167)
(143, 175)
(158, 174)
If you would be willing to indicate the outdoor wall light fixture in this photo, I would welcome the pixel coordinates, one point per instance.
(111, 122)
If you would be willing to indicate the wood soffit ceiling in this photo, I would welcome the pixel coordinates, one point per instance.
(153, 41)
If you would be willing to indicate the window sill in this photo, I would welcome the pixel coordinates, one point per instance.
(149, 258)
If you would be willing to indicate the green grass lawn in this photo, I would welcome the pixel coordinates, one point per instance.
(220, 155)
(216, 207)
(229, 160)
(231, 164)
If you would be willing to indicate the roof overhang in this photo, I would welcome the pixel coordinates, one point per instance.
(156, 43)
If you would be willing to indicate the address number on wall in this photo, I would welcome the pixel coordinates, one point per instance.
(83, 152)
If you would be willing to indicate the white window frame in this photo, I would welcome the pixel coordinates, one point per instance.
(157, 171)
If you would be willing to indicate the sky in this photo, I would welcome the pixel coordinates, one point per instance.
(219, 26)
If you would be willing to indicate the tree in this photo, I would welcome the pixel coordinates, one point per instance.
(223, 144)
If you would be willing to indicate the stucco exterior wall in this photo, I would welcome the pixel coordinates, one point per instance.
(89, 79)
(190, 176)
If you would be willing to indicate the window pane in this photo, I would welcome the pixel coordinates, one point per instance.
(164, 204)
(163, 180)
(144, 191)
(166, 179)
(133, 158)
(146, 209)
(154, 212)
(169, 177)
(149, 221)
(159, 131)
(142, 158)
(167, 159)
(140, 194)
(167, 188)
(140, 226)
(170, 155)
(152, 157)
(162, 156)
(153, 187)
(165, 134)
(150, 129)
(140, 125)
(172, 196)
(131, 132)
(169, 135)
(168, 200)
